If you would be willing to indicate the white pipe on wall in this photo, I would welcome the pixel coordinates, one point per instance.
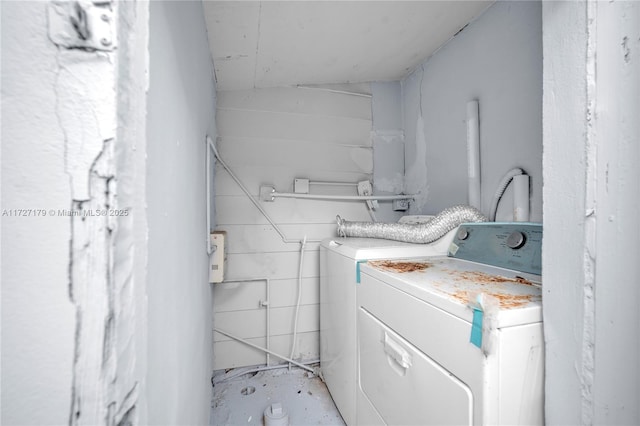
(473, 154)
(208, 174)
(521, 198)
(299, 299)
(239, 339)
(251, 197)
(333, 183)
(340, 197)
(240, 371)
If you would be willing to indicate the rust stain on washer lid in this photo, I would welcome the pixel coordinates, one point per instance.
(499, 287)
(482, 278)
(399, 266)
(506, 301)
(510, 293)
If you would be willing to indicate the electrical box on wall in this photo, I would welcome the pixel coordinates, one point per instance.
(400, 205)
(301, 186)
(218, 258)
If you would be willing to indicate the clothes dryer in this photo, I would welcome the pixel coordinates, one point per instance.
(455, 339)
(340, 261)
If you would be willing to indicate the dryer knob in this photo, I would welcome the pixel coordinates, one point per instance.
(516, 240)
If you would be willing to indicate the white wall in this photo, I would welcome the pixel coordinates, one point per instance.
(73, 287)
(181, 109)
(271, 136)
(38, 318)
(497, 59)
(591, 200)
(388, 146)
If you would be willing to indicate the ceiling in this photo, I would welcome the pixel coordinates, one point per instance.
(286, 43)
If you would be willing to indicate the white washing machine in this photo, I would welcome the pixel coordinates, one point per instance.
(455, 339)
(340, 260)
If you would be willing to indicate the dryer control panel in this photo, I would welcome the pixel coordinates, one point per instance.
(510, 245)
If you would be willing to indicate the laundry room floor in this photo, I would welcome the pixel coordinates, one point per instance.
(242, 400)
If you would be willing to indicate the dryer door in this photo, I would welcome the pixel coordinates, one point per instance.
(404, 385)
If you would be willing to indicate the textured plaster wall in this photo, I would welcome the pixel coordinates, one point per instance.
(591, 200)
(38, 318)
(564, 69)
(130, 248)
(496, 59)
(75, 319)
(181, 110)
(72, 299)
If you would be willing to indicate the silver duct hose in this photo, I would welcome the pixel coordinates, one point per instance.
(422, 233)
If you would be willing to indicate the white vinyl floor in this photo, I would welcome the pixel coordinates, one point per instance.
(242, 399)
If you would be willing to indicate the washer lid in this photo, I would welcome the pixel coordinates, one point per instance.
(450, 284)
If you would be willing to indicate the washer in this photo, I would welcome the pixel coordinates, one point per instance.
(455, 339)
(340, 260)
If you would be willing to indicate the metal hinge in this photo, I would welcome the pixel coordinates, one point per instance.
(82, 25)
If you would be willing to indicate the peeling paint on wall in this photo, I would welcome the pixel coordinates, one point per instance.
(73, 317)
(416, 175)
(389, 147)
(393, 184)
(86, 111)
(91, 291)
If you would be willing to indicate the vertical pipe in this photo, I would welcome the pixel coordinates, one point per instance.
(208, 165)
(299, 300)
(267, 280)
(521, 198)
(473, 154)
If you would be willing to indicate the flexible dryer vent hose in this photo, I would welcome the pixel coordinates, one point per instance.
(422, 233)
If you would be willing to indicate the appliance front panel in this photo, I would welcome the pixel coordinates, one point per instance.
(404, 385)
